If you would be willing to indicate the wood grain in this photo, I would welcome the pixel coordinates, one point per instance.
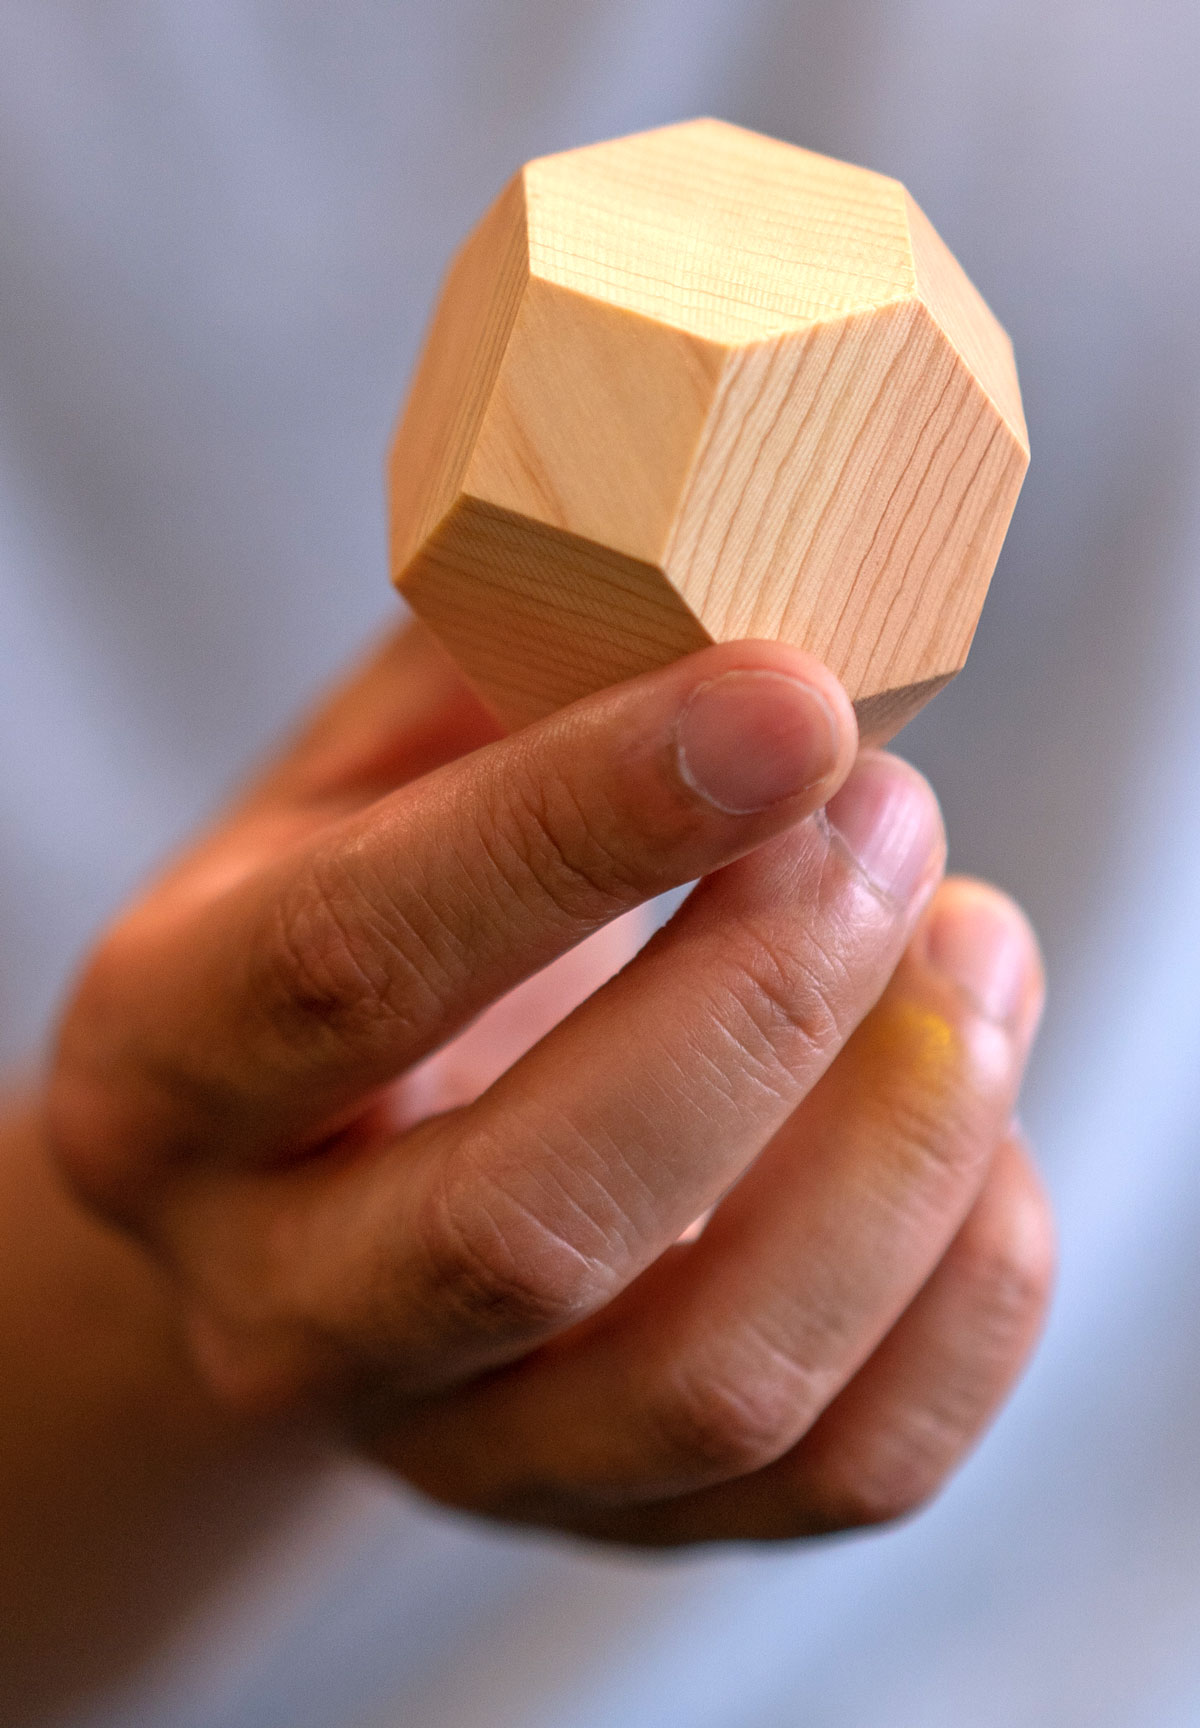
(695, 385)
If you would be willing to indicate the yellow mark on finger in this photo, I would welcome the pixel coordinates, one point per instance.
(904, 1036)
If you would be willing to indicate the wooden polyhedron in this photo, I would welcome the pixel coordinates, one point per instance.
(697, 385)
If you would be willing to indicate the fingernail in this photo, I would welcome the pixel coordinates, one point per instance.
(748, 740)
(980, 941)
(887, 818)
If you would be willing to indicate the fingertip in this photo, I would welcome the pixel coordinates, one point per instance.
(980, 939)
(785, 661)
(756, 731)
(886, 816)
(752, 739)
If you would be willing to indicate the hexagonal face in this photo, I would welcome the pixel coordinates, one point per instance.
(697, 385)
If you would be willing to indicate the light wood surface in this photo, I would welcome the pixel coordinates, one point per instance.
(697, 385)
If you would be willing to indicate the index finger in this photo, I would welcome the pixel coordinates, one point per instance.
(252, 1024)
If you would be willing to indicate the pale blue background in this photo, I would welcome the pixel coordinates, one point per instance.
(221, 226)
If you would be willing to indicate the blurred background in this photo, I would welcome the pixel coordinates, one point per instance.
(222, 226)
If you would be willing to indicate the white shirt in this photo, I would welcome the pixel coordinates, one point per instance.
(221, 228)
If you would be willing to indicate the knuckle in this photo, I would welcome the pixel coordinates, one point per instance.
(324, 968)
(273, 1327)
(257, 1372)
(333, 958)
(937, 1143)
(889, 1485)
(82, 1152)
(491, 1268)
(571, 848)
(937, 1103)
(98, 1125)
(1010, 1262)
(788, 1003)
(711, 1429)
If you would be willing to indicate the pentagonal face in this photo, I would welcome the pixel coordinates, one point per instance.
(851, 497)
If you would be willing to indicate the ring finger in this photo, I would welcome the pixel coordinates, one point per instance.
(716, 1362)
(917, 1405)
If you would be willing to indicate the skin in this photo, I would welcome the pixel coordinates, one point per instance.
(351, 1136)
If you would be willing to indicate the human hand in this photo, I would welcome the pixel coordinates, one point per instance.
(270, 1075)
